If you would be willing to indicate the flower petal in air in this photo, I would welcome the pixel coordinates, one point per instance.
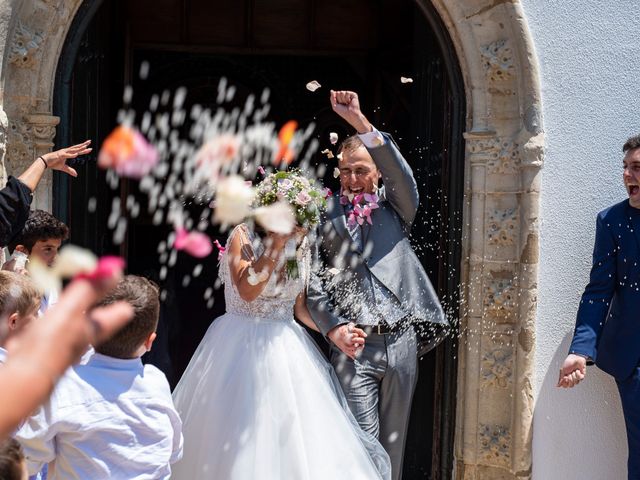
(285, 154)
(313, 85)
(221, 249)
(107, 267)
(333, 138)
(196, 244)
(328, 153)
(73, 260)
(336, 172)
(277, 217)
(233, 200)
(44, 277)
(127, 152)
(406, 80)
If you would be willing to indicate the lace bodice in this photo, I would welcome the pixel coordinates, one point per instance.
(277, 299)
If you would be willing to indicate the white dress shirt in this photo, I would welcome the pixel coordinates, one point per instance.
(108, 419)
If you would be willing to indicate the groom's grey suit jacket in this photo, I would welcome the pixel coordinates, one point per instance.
(340, 282)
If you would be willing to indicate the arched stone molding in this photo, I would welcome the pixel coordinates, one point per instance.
(32, 45)
(504, 152)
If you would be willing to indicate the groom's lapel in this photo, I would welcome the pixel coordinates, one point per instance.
(335, 212)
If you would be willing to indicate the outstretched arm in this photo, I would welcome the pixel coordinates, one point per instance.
(55, 161)
(594, 307)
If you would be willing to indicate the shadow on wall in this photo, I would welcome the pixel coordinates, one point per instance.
(578, 433)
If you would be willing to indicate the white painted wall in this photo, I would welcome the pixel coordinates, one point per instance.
(590, 72)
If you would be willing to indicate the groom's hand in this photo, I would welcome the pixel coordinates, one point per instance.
(348, 338)
(347, 105)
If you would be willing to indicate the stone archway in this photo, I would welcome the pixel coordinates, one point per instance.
(504, 153)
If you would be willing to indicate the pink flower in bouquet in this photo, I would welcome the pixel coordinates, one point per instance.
(127, 152)
(327, 193)
(196, 244)
(303, 198)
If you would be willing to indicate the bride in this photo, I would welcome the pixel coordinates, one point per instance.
(258, 399)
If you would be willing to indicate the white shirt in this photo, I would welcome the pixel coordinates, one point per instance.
(3, 355)
(108, 419)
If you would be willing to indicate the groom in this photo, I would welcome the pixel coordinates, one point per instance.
(368, 279)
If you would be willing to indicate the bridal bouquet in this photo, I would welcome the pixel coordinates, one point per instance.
(307, 199)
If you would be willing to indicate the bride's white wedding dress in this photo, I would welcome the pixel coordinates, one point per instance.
(259, 401)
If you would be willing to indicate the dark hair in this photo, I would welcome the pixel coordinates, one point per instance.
(142, 295)
(40, 225)
(350, 144)
(631, 144)
(11, 458)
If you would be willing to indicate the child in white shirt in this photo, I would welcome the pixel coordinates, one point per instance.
(112, 418)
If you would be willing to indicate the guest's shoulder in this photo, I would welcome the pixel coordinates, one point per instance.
(614, 211)
(155, 378)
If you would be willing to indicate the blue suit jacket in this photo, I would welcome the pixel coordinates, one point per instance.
(608, 322)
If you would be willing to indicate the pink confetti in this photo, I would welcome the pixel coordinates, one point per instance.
(127, 152)
(108, 267)
(221, 249)
(196, 244)
(261, 170)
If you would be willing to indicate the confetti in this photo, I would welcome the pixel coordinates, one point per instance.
(336, 172)
(277, 217)
(128, 153)
(333, 138)
(313, 85)
(328, 153)
(233, 200)
(406, 80)
(285, 154)
(256, 278)
(196, 244)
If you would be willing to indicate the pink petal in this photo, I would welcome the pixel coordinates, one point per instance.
(261, 170)
(196, 244)
(220, 248)
(108, 267)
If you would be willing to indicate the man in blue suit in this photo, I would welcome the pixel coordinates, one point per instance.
(607, 329)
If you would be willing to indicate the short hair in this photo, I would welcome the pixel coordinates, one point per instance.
(350, 144)
(143, 296)
(631, 144)
(11, 458)
(18, 293)
(40, 225)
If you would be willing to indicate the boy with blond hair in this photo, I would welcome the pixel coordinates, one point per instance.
(19, 304)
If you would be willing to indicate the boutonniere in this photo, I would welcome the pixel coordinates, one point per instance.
(363, 204)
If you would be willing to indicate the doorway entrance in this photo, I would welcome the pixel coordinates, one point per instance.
(281, 44)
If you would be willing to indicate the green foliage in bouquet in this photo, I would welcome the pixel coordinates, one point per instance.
(308, 199)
